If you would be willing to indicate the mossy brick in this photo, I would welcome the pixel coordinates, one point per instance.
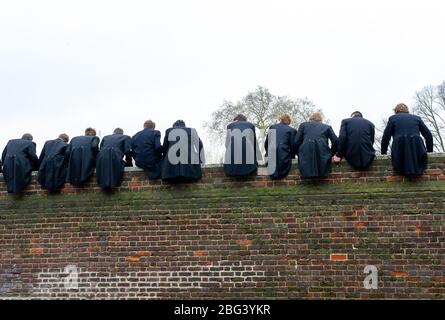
(289, 231)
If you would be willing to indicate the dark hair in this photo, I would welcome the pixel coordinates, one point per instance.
(118, 131)
(90, 132)
(356, 114)
(240, 117)
(149, 124)
(27, 136)
(64, 137)
(179, 123)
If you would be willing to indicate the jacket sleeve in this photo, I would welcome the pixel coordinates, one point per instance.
(372, 133)
(3, 159)
(426, 133)
(342, 140)
(334, 140)
(292, 143)
(95, 146)
(5, 151)
(387, 136)
(299, 137)
(68, 153)
(133, 154)
(159, 149)
(31, 150)
(127, 152)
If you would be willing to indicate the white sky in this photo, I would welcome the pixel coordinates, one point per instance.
(66, 65)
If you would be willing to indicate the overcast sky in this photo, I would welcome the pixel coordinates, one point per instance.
(66, 65)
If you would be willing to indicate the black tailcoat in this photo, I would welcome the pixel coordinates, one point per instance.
(408, 152)
(147, 151)
(314, 154)
(82, 152)
(53, 165)
(110, 161)
(244, 149)
(284, 150)
(19, 160)
(355, 142)
(191, 170)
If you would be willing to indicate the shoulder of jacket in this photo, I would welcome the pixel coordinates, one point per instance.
(391, 118)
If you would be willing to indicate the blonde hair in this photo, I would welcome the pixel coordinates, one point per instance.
(316, 116)
(285, 118)
(401, 107)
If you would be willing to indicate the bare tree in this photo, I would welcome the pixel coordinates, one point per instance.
(440, 93)
(262, 109)
(430, 106)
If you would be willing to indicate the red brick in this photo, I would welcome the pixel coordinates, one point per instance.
(433, 172)
(150, 235)
(394, 178)
(356, 174)
(244, 242)
(133, 259)
(339, 257)
(413, 279)
(134, 184)
(201, 253)
(92, 249)
(359, 224)
(439, 279)
(143, 254)
(337, 235)
(38, 250)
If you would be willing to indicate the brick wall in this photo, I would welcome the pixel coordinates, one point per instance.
(229, 238)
